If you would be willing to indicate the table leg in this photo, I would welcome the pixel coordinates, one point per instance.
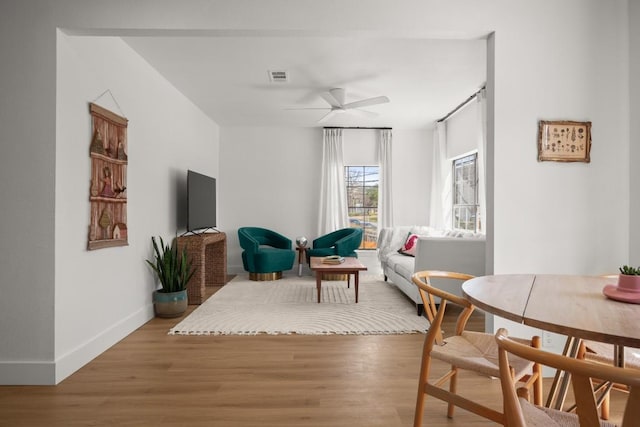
(318, 283)
(618, 355)
(560, 385)
(356, 284)
(300, 255)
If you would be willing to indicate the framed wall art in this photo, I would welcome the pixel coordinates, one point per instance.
(564, 141)
(108, 188)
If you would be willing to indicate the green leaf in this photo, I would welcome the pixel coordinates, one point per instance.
(630, 271)
(170, 266)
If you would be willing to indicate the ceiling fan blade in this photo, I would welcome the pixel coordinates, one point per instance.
(363, 113)
(331, 100)
(339, 94)
(308, 108)
(367, 102)
(327, 116)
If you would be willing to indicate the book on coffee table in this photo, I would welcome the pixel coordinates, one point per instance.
(333, 259)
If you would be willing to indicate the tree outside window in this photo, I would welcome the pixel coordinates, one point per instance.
(362, 202)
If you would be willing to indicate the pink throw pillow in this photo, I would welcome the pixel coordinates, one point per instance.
(410, 245)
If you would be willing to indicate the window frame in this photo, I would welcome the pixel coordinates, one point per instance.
(368, 227)
(472, 209)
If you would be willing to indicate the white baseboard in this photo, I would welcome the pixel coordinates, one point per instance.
(70, 362)
(53, 372)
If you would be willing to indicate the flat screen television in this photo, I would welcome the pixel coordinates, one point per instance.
(201, 201)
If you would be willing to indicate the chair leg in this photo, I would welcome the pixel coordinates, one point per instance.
(424, 377)
(605, 405)
(604, 408)
(537, 386)
(536, 342)
(453, 388)
(417, 417)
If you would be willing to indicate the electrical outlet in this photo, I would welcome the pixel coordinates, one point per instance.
(547, 339)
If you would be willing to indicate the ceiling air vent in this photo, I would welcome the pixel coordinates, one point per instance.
(278, 76)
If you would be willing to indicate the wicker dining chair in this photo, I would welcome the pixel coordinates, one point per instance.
(520, 413)
(599, 352)
(468, 350)
(596, 351)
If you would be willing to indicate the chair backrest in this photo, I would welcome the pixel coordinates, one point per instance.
(350, 241)
(251, 238)
(347, 238)
(582, 371)
(422, 279)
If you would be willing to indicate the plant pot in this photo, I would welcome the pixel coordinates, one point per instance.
(629, 283)
(170, 304)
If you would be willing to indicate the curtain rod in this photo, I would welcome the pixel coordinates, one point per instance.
(354, 127)
(462, 104)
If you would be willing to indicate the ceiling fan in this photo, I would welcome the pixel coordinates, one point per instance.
(336, 97)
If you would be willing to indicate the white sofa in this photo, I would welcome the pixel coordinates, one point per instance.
(463, 252)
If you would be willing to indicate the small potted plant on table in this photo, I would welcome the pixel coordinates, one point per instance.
(629, 278)
(173, 271)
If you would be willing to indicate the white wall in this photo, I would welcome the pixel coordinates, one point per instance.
(103, 295)
(555, 217)
(27, 171)
(547, 217)
(412, 160)
(634, 157)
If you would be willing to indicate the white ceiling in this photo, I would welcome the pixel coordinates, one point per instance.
(227, 76)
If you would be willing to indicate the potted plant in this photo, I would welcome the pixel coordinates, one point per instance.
(629, 278)
(173, 271)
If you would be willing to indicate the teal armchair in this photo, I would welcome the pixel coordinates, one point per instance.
(265, 253)
(343, 242)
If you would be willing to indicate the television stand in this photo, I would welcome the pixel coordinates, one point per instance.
(200, 231)
(207, 253)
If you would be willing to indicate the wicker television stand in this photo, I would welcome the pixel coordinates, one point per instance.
(208, 255)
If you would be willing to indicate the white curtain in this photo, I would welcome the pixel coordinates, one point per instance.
(333, 197)
(440, 212)
(385, 201)
(481, 99)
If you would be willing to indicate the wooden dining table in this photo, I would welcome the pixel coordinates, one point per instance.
(566, 304)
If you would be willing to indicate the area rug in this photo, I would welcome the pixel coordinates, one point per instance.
(289, 306)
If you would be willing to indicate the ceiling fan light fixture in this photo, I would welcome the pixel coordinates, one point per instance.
(278, 76)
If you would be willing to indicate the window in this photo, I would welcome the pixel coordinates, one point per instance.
(465, 193)
(362, 202)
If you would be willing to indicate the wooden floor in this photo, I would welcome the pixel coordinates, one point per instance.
(153, 379)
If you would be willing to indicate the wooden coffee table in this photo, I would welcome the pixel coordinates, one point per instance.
(350, 266)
